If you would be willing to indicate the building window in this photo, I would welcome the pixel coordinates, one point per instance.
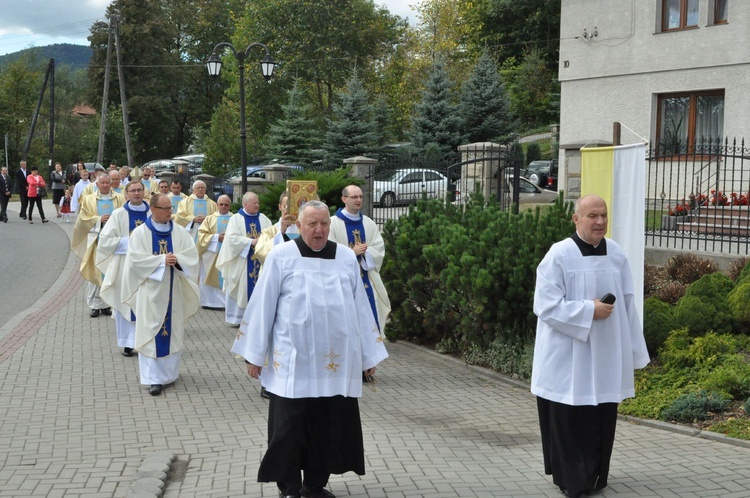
(720, 11)
(690, 122)
(679, 14)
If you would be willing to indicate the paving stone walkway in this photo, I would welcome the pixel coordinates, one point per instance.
(75, 422)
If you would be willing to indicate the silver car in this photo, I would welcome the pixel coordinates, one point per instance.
(408, 185)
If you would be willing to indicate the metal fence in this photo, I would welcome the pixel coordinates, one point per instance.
(698, 197)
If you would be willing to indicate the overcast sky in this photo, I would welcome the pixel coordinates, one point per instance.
(37, 23)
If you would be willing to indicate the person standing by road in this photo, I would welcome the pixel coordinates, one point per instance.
(58, 187)
(75, 197)
(35, 183)
(6, 188)
(589, 340)
(22, 187)
(312, 325)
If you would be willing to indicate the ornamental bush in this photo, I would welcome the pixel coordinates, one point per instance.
(738, 302)
(658, 322)
(704, 306)
(696, 406)
(467, 273)
(687, 268)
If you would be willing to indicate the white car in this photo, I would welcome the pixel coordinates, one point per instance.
(408, 185)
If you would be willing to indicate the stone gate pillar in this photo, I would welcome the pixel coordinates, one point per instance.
(478, 176)
(363, 168)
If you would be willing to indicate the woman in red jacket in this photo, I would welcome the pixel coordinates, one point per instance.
(35, 181)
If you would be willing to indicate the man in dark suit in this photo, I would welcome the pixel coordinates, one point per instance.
(5, 188)
(22, 188)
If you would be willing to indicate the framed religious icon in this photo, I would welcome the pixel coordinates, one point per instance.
(300, 191)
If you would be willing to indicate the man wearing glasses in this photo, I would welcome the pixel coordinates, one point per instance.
(160, 287)
(352, 228)
(110, 260)
(210, 239)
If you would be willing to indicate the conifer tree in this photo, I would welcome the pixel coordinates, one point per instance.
(436, 116)
(294, 137)
(484, 106)
(352, 130)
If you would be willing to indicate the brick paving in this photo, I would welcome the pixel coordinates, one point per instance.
(75, 422)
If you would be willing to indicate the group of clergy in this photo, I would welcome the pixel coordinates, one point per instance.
(229, 251)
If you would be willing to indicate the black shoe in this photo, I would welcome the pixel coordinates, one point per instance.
(155, 389)
(94, 313)
(45, 221)
(107, 311)
(316, 493)
(23, 216)
(127, 352)
(264, 394)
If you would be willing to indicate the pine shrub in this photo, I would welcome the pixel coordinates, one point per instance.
(704, 306)
(658, 322)
(738, 301)
(696, 406)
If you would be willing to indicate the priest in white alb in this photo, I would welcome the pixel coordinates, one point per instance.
(309, 335)
(210, 239)
(192, 210)
(96, 208)
(110, 260)
(159, 285)
(351, 227)
(236, 260)
(588, 345)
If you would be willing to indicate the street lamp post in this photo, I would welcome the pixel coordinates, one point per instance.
(213, 65)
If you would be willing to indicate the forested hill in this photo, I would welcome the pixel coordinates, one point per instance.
(77, 56)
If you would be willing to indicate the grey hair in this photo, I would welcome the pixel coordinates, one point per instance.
(248, 195)
(196, 182)
(315, 204)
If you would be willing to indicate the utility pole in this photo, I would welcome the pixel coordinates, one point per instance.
(105, 98)
(123, 100)
(51, 117)
(50, 72)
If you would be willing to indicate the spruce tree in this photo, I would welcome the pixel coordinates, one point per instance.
(484, 106)
(352, 131)
(294, 137)
(436, 116)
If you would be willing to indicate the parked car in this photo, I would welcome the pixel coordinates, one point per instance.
(408, 185)
(196, 162)
(542, 173)
(225, 184)
(528, 193)
(174, 165)
(71, 169)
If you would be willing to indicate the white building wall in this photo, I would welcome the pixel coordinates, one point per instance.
(618, 74)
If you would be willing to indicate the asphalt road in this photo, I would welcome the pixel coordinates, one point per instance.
(31, 259)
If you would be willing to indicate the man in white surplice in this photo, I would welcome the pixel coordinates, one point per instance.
(210, 239)
(586, 350)
(110, 260)
(162, 262)
(282, 231)
(310, 323)
(237, 261)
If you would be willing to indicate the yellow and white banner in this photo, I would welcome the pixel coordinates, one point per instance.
(618, 175)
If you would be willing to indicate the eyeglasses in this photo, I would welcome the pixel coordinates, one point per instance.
(163, 208)
(135, 190)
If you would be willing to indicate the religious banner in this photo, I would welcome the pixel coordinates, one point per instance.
(618, 175)
(300, 191)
